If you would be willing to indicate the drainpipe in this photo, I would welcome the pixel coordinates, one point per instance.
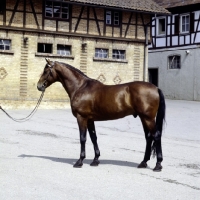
(145, 52)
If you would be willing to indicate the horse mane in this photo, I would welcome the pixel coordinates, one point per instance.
(77, 70)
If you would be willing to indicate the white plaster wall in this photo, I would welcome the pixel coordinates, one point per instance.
(181, 83)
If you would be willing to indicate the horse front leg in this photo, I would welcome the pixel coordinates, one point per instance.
(93, 136)
(82, 123)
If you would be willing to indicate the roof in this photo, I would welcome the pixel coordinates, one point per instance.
(176, 3)
(149, 6)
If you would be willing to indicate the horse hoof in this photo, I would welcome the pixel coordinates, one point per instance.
(142, 165)
(95, 163)
(158, 167)
(78, 164)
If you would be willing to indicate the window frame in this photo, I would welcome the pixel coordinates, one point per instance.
(113, 21)
(2, 7)
(44, 51)
(118, 54)
(173, 59)
(186, 23)
(5, 45)
(101, 53)
(158, 26)
(108, 21)
(61, 13)
(68, 52)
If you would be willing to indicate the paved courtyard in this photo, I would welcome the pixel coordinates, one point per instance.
(37, 157)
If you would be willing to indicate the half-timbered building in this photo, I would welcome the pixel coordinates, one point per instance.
(174, 54)
(106, 40)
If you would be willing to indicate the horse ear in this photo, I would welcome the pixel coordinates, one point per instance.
(48, 61)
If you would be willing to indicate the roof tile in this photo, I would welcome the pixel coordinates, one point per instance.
(176, 3)
(149, 6)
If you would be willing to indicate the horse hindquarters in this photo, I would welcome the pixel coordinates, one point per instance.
(153, 132)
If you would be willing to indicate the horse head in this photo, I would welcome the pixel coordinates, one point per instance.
(48, 76)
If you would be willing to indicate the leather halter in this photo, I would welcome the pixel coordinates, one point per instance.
(50, 67)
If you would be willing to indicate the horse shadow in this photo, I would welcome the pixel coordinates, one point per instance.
(71, 161)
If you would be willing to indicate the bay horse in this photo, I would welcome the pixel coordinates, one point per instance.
(92, 100)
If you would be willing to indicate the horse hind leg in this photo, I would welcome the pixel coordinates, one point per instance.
(93, 136)
(153, 142)
(158, 149)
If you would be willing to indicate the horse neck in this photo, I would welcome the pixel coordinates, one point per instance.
(70, 79)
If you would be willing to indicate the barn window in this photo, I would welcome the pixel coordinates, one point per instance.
(174, 62)
(44, 48)
(101, 53)
(112, 18)
(118, 54)
(56, 9)
(64, 50)
(5, 44)
(161, 26)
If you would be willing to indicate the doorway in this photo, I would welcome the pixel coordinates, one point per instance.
(153, 76)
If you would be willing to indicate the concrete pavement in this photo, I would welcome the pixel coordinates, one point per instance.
(37, 157)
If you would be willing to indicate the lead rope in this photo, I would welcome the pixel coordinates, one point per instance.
(30, 115)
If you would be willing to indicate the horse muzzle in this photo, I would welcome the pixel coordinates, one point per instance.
(41, 86)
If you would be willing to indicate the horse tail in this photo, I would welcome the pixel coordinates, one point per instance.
(160, 118)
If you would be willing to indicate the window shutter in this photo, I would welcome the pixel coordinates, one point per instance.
(192, 23)
(176, 27)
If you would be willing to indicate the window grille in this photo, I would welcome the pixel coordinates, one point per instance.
(174, 62)
(116, 18)
(101, 53)
(5, 44)
(57, 9)
(112, 18)
(118, 54)
(185, 23)
(63, 50)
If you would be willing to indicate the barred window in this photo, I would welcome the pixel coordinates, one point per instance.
(174, 62)
(101, 53)
(55, 9)
(5, 44)
(63, 49)
(119, 54)
(44, 48)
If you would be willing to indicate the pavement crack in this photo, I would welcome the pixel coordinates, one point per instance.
(35, 133)
(173, 182)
